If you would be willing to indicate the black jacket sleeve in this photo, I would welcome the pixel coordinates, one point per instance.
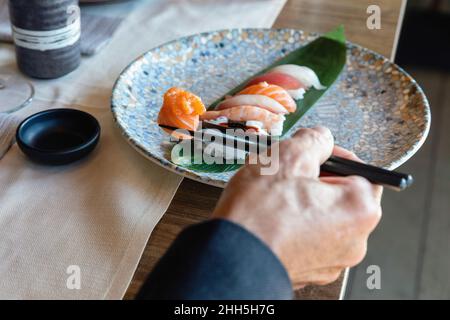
(217, 260)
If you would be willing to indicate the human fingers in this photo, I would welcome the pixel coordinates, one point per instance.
(358, 199)
(321, 276)
(303, 154)
(347, 154)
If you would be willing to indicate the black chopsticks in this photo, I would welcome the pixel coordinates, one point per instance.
(334, 165)
(345, 167)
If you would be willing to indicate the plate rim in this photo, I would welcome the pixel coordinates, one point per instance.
(185, 172)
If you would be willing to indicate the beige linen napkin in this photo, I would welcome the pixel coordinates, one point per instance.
(95, 214)
(87, 223)
(8, 125)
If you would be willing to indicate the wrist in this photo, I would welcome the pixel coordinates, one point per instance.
(270, 233)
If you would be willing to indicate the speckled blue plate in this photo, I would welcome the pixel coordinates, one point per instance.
(375, 108)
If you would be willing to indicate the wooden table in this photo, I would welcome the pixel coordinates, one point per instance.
(194, 202)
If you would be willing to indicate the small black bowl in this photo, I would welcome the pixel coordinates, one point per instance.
(58, 136)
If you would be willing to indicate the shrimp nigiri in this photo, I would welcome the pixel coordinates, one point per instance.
(272, 91)
(181, 109)
(271, 121)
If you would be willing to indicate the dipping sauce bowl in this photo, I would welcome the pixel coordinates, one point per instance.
(58, 136)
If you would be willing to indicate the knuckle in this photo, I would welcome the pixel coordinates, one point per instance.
(323, 131)
(317, 135)
(314, 134)
(314, 141)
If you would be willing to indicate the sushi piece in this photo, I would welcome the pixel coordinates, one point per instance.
(297, 94)
(255, 127)
(295, 88)
(220, 150)
(303, 74)
(283, 80)
(271, 122)
(220, 121)
(293, 78)
(272, 91)
(256, 100)
(181, 109)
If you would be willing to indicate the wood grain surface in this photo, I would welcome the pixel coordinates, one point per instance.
(324, 15)
(194, 202)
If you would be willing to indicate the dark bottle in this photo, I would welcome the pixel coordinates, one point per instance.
(47, 36)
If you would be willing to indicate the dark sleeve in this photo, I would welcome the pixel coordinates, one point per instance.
(217, 260)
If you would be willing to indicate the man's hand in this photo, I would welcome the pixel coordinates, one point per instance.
(317, 226)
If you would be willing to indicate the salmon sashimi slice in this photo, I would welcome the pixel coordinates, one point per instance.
(272, 91)
(181, 109)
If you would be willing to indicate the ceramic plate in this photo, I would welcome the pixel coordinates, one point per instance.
(374, 108)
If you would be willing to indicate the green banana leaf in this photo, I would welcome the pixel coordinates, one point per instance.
(326, 56)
